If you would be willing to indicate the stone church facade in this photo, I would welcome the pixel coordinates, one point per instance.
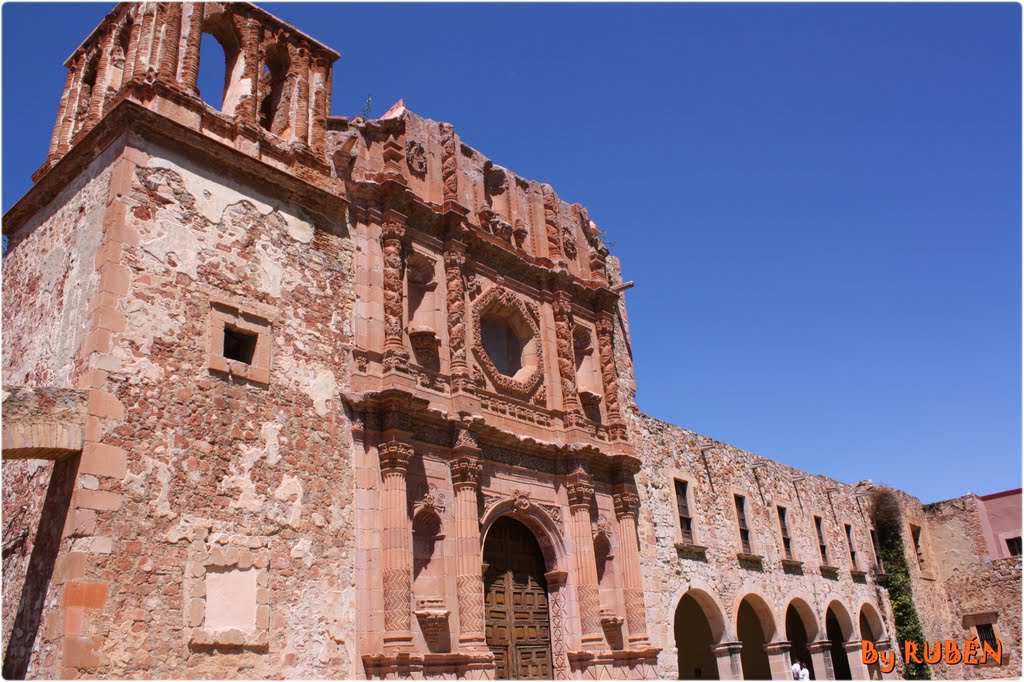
(296, 395)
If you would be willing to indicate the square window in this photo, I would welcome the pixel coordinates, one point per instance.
(239, 343)
(1013, 545)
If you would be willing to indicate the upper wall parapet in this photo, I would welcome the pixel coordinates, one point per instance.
(277, 87)
(429, 160)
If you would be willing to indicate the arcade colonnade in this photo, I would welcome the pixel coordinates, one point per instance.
(755, 638)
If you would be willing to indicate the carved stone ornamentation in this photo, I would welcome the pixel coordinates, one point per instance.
(395, 456)
(491, 499)
(554, 511)
(454, 262)
(562, 308)
(430, 499)
(551, 223)
(391, 236)
(500, 299)
(416, 158)
(466, 471)
(522, 500)
(626, 504)
(609, 375)
(465, 438)
(449, 163)
(580, 493)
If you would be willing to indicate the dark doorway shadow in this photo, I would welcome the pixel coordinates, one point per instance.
(40, 568)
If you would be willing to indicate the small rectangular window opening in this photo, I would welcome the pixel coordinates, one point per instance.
(683, 507)
(878, 549)
(787, 543)
(239, 345)
(741, 515)
(822, 546)
(915, 532)
(1013, 544)
(849, 543)
(987, 634)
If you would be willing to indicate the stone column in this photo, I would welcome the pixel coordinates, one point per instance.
(397, 569)
(466, 470)
(821, 656)
(858, 671)
(587, 590)
(609, 375)
(454, 262)
(562, 307)
(249, 104)
(626, 504)
(727, 655)
(301, 127)
(778, 660)
(58, 143)
(170, 44)
(320, 82)
(392, 235)
(134, 38)
(99, 88)
(190, 66)
(145, 42)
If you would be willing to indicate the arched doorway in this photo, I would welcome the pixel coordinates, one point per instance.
(754, 627)
(516, 603)
(837, 629)
(694, 639)
(867, 632)
(799, 634)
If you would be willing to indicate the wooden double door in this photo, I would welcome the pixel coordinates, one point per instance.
(518, 628)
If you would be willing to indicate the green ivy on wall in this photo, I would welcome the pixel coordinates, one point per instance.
(885, 511)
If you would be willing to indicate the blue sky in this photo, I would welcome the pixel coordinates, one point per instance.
(819, 203)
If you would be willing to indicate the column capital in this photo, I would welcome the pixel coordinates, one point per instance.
(466, 472)
(395, 456)
(580, 494)
(727, 648)
(392, 229)
(777, 647)
(626, 504)
(819, 646)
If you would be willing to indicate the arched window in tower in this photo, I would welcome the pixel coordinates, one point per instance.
(274, 104)
(119, 56)
(221, 63)
(85, 90)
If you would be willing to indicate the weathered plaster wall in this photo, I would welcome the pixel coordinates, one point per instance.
(49, 278)
(1000, 520)
(223, 472)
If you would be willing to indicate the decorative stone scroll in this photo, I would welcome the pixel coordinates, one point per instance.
(416, 158)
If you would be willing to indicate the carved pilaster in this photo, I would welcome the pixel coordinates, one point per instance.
(626, 505)
(454, 262)
(562, 308)
(397, 569)
(581, 492)
(551, 223)
(449, 163)
(606, 354)
(392, 237)
(466, 471)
